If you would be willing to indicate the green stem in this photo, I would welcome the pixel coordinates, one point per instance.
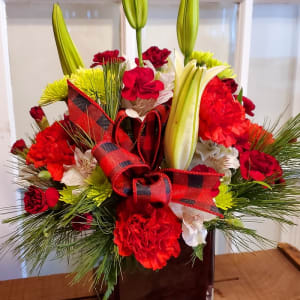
(139, 45)
(186, 60)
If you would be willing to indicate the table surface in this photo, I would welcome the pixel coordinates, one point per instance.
(262, 275)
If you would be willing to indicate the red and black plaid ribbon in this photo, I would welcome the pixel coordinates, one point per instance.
(133, 167)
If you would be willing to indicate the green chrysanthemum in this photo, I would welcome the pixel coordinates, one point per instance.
(67, 195)
(99, 186)
(91, 82)
(224, 199)
(99, 194)
(56, 91)
(206, 59)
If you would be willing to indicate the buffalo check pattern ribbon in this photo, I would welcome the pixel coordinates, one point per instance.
(133, 167)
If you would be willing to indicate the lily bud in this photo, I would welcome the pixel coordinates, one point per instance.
(187, 26)
(136, 12)
(183, 124)
(69, 57)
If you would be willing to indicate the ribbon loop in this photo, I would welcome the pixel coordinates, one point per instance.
(119, 165)
(154, 187)
(133, 168)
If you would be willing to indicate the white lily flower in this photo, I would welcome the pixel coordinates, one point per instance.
(216, 156)
(193, 231)
(85, 163)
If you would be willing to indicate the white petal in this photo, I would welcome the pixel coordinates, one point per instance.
(177, 209)
(131, 113)
(72, 177)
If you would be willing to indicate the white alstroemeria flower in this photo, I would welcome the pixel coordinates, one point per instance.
(140, 107)
(216, 156)
(193, 231)
(85, 163)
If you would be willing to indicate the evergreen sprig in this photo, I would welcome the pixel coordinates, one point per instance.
(113, 73)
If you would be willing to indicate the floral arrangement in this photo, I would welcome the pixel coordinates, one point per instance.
(148, 151)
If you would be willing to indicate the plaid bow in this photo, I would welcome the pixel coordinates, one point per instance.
(133, 168)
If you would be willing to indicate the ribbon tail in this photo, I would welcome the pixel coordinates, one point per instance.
(194, 189)
(88, 115)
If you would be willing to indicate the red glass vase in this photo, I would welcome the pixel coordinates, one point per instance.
(179, 280)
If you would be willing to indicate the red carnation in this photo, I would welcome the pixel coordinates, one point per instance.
(259, 166)
(140, 83)
(37, 113)
(256, 138)
(222, 118)
(18, 147)
(202, 168)
(156, 56)
(102, 58)
(150, 233)
(52, 196)
(52, 149)
(82, 222)
(231, 84)
(35, 200)
(249, 106)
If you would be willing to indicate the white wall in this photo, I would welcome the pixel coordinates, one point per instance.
(273, 84)
(8, 265)
(34, 62)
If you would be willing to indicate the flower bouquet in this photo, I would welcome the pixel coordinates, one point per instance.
(150, 156)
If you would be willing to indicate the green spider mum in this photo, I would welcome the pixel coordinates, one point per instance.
(55, 91)
(206, 59)
(90, 81)
(224, 200)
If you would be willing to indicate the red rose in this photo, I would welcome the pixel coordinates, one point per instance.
(156, 56)
(231, 84)
(18, 147)
(202, 168)
(222, 118)
(35, 200)
(249, 106)
(140, 83)
(259, 166)
(150, 234)
(82, 222)
(52, 196)
(52, 149)
(102, 58)
(37, 113)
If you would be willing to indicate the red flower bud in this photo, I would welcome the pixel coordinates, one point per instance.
(249, 106)
(37, 113)
(156, 56)
(82, 222)
(35, 200)
(52, 196)
(18, 147)
(231, 84)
